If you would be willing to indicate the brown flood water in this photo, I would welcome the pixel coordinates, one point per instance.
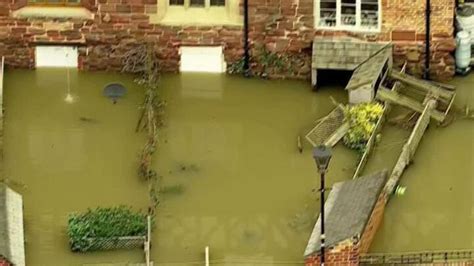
(230, 144)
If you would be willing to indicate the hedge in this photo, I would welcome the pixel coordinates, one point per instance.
(104, 223)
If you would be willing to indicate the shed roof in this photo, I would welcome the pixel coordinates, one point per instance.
(341, 53)
(11, 226)
(347, 209)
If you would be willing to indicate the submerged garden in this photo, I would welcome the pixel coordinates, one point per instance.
(186, 161)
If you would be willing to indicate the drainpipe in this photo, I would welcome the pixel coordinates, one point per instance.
(246, 39)
(427, 42)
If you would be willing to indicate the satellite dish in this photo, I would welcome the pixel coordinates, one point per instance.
(114, 91)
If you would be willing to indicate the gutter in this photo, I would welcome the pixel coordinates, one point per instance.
(427, 41)
(246, 39)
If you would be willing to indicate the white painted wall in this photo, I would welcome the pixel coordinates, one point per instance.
(202, 59)
(56, 56)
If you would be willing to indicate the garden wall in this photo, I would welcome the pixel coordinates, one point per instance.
(283, 26)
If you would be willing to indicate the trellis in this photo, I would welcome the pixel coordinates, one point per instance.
(126, 242)
(329, 129)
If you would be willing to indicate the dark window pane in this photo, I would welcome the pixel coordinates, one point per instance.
(369, 13)
(176, 2)
(197, 3)
(217, 2)
(328, 13)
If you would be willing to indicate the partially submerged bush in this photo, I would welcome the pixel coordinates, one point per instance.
(104, 223)
(362, 119)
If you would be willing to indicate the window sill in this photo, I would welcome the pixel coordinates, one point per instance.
(214, 16)
(53, 12)
(351, 29)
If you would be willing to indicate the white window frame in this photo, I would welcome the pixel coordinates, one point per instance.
(207, 15)
(339, 26)
(207, 5)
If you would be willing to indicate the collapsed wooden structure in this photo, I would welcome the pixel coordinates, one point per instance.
(374, 78)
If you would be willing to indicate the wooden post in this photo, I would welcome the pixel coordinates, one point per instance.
(314, 78)
(206, 250)
(147, 242)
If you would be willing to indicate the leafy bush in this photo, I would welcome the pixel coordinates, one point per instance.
(362, 119)
(104, 223)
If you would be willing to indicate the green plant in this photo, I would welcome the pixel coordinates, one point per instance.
(362, 119)
(237, 67)
(271, 60)
(104, 223)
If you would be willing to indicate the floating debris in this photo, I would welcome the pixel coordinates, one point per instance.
(172, 189)
(114, 91)
(87, 119)
(188, 167)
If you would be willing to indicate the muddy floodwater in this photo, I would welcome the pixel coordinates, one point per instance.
(232, 177)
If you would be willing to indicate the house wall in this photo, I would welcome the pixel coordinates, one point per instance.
(4, 262)
(345, 253)
(283, 26)
(373, 224)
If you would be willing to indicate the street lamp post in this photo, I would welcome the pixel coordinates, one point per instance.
(322, 156)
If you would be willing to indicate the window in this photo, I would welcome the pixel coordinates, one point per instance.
(197, 3)
(54, 2)
(198, 12)
(348, 14)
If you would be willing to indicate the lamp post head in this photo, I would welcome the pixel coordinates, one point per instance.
(322, 156)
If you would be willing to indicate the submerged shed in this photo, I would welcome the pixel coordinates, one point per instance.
(11, 226)
(369, 61)
(347, 209)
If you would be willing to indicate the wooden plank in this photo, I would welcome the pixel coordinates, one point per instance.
(385, 94)
(450, 105)
(410, 147)
(422, 85)
(444, 85)
(337, 135)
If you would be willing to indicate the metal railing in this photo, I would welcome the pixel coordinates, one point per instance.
(418, 257)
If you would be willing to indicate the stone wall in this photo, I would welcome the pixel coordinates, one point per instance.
(282, 26)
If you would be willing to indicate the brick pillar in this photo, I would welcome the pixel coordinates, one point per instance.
(345, 253)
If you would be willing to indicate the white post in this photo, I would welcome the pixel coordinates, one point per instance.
(207, 255)
(147, 242)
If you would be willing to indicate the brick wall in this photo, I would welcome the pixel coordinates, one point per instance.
(4, 262)
(373, 224)
(283, 26)
(345, 253)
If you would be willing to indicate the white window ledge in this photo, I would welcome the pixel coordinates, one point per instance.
(53, 12)
(350, 29)
(197, 17)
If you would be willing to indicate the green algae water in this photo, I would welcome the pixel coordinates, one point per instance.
(232, 177)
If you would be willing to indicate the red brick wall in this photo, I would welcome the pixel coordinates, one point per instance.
(283, 26)
(3, 262)
(373, 224)
(345, 253)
